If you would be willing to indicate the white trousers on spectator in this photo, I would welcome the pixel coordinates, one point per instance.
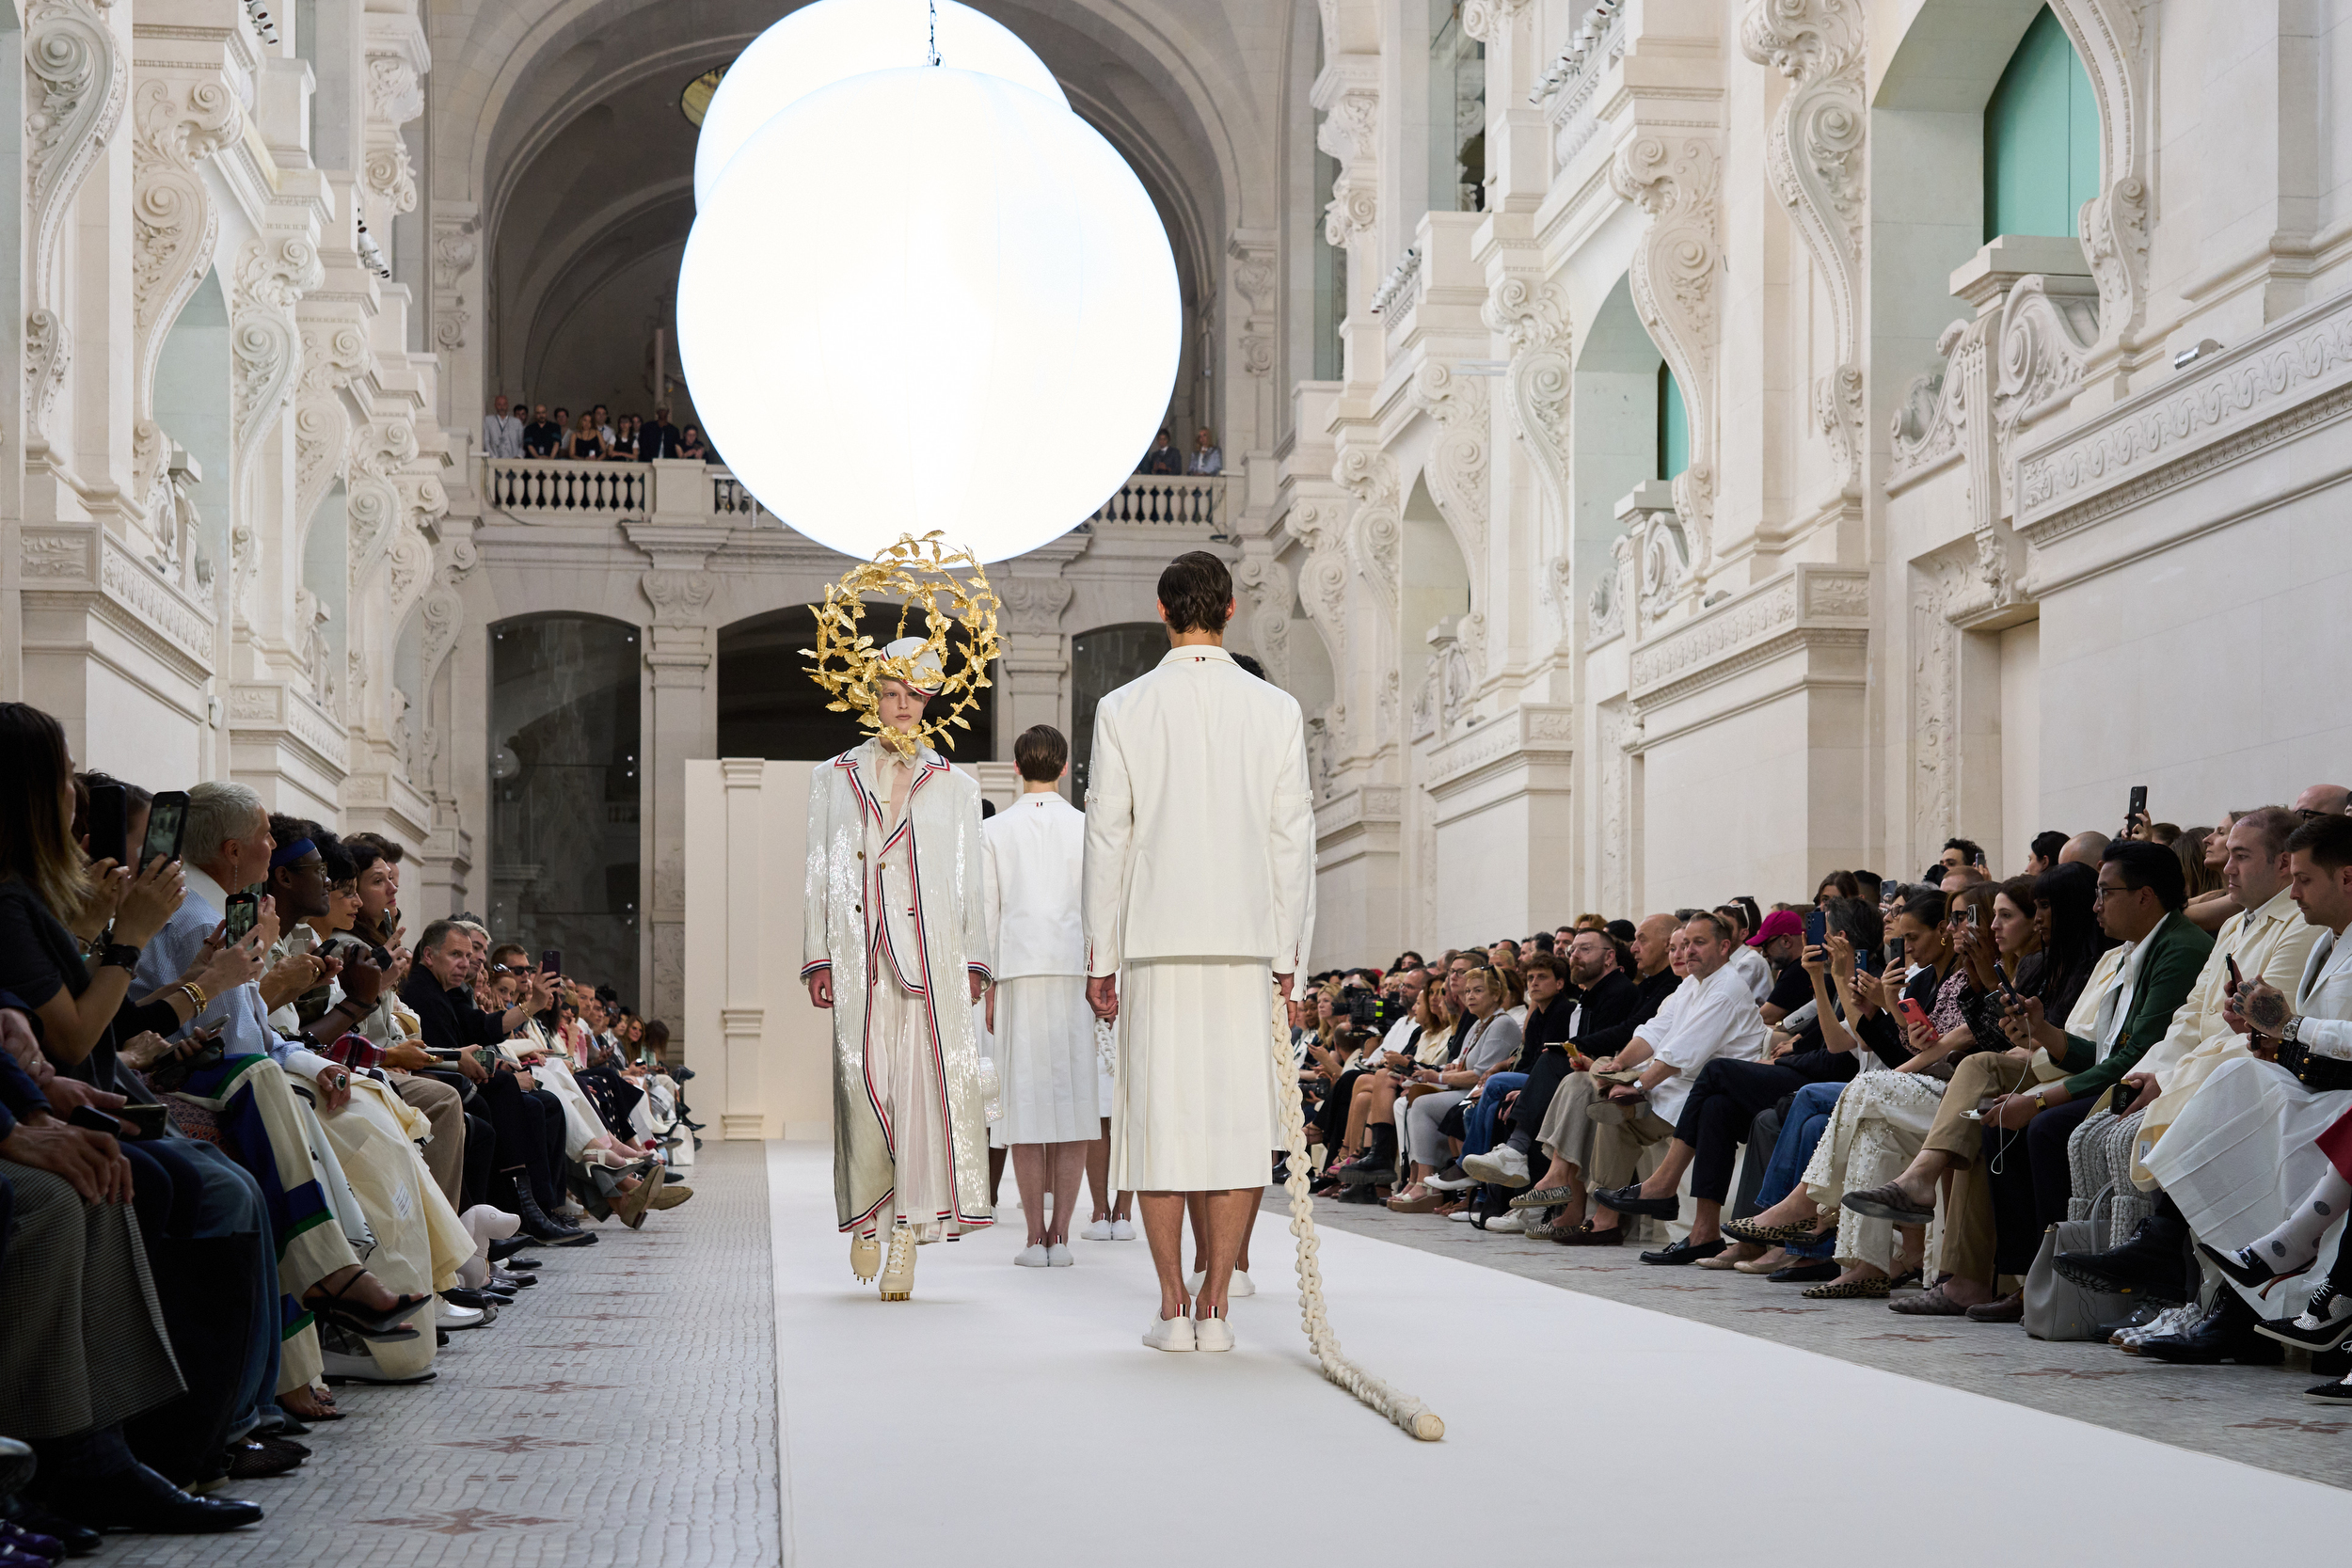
(582, 1125)
(1421, 1137)
(1881, 1123)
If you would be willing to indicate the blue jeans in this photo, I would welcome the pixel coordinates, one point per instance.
(1478, 1122)
(1808, 1116)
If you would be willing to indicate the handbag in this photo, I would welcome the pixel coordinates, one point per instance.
(2055, 1307)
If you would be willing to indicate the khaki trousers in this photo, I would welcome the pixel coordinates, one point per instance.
(1617, 1150)
(444, 1107)
(1604, 1155)
(1967, 1234)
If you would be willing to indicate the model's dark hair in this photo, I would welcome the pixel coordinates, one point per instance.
(1196, 590)
(2151, 865)
(1042, 754)
(2327, 839)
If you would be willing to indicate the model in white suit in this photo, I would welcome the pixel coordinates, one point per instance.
(1032, 860)
(894, 945)
(1200, 899)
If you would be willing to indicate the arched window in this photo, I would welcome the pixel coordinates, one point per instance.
(769, 707)
(2040, 137)
(1674, 427)
(1102, 661)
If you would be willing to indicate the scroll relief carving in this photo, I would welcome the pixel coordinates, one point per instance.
(1814, 157)
(454, 251)
(175, 229)
(1532, 318)
(1267, 584)
(1675, 180)
(1253, 280)
(1350, 132)
(77, 81)
(1459, 460)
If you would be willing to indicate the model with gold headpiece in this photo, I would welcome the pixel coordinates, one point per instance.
(894, 937)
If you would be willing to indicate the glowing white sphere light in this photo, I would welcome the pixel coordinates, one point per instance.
(833, 40)
(928, 298)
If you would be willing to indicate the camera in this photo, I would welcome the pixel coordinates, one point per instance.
(1370, 1010)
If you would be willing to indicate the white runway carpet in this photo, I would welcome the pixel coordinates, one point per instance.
(1010, 1416)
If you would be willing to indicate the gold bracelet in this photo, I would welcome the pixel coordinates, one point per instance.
(195, 994)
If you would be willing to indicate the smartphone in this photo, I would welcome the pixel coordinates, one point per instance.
(145, 1122)
(1816, 928)
(166, 820)
(1914, 1013)
(551, 960)
(1968, 914)
(2237, 981)
(2140, 807)
(94, 1121)
(108, 804)
(243, 914)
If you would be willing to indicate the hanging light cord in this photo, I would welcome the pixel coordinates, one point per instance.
(934, 60)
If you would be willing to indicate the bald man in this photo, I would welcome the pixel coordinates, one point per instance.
(2323, 801)
(2085, 849)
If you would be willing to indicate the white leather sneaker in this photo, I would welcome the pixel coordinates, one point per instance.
(1059, 1256)
(1032, 1257)
(1238, 1286)
(1211, 1334)
(1503, 1165)
(1122, 1231)
(1096, 1231)
(1173, 1334)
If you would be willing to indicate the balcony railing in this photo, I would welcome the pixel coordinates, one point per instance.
(1170, 500)
(544, 489)
(554, 490)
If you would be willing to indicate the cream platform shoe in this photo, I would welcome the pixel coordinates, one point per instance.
(864, 1257)
(898, 1276)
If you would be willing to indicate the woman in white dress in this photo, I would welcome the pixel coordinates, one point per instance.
(1032, 864)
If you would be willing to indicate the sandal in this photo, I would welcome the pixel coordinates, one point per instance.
(1850, 1289)
(388, 1326)
(1772, 1235)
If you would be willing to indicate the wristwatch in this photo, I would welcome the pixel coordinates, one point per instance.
(119, 953)
(2039, 1103)
(2292, 1033)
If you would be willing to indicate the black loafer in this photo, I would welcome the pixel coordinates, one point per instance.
(1628, 1201)
(1806, 1274)
(80, 1540)
(139, 1499)
(1683, 1252)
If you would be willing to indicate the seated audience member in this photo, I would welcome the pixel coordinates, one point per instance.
(1883, 1114)
(2043, 852)
(2085, 849)
(1730, 1090)
(1749, 963)
(2323, 799)
(2252, 1146)
(2040, 939)
(1490, 1042)
(1564, 999)
(1716, 1018)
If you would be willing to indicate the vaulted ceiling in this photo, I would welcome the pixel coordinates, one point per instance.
(558, 123)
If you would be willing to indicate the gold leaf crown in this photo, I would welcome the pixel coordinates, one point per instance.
(917, 573)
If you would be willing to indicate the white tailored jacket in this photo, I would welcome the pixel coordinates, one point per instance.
(1200, 830)
(1032, 873)
(2325, 998)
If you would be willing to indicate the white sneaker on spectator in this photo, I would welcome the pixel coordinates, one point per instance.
(1512, 1224)
(1059, 1257)
(1503, 1165)
(1122, 1231)
(1461, 1216)
(1096, 1231)
(1033, 1256)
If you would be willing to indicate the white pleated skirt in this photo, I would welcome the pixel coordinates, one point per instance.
(1046, 1061)
(1193, 1105)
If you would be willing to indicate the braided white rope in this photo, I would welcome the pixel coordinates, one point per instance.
(1404, 1409)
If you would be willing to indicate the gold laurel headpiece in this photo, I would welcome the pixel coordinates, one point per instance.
(850, 666)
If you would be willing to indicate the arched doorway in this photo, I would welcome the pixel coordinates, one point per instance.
(565, 776)
(1102, 661)
(769, 707)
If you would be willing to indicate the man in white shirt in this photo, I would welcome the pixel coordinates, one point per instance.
(1200, 905)
(1717, 1019)
(501, 432)
(1032, 867)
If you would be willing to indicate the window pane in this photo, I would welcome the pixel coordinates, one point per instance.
(2040, 137)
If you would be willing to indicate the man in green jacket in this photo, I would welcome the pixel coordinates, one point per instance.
(2141, 890)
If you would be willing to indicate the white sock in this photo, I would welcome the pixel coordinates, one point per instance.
(2297, 1242)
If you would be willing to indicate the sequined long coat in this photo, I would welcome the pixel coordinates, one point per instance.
(944, 938)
